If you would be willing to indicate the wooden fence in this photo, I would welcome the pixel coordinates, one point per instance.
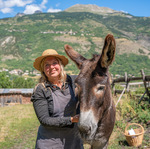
(127, 83)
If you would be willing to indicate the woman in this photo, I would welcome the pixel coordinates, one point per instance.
(55, 104)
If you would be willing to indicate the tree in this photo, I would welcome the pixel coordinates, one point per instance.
(20, 82)
(5, 81)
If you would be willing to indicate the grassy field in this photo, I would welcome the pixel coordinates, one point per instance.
(18, 125)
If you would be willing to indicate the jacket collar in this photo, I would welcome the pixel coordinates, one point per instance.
(54, 87)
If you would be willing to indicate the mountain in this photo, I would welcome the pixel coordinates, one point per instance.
(84, 27)
(19, 14)
(94, 9)
(90, 8)
(38, 11)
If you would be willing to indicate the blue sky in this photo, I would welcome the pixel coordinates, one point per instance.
(9, 8)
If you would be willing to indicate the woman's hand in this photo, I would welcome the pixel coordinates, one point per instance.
(75, 119)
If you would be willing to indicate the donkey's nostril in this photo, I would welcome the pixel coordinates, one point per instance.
(84, 129)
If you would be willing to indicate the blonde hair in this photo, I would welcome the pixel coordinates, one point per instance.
(44, 78)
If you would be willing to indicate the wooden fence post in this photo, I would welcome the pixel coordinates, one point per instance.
(20, 98)
(2, 101)
(144, 81)
(127, 82)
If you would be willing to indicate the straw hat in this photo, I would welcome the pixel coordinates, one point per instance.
(46, 53)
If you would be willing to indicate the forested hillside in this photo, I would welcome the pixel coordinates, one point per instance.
(24, 38)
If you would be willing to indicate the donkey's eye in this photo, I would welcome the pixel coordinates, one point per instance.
(101, 87)
(77, 89)
(77, 85)
(98, 90)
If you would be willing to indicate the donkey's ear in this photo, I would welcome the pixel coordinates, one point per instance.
(108, 52)
(74, 56)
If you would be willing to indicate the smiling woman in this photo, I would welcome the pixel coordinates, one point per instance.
(52, 70)
(55, 104)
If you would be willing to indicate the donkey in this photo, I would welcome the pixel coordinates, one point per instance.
(97, 110)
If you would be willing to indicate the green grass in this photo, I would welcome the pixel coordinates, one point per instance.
(18, 127)
(19, 124)
(129, 111)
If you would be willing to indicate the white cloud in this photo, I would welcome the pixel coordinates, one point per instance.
(57, 4)
(42, 5)
(1, 4)
(53, 10)
(6, 10)
(6, 6)
(30, 9)
(12, 3)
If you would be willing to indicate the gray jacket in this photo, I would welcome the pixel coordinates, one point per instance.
(42, 100)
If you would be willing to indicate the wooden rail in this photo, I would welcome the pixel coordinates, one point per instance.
(127, 80)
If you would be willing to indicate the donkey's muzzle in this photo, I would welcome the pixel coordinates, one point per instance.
(87, 125)
(84, 129)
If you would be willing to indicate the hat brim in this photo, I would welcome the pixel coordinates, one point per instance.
(37, 62)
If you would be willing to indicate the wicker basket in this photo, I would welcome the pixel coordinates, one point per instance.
(134, 140)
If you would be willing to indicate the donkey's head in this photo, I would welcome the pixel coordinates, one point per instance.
(93, 85)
